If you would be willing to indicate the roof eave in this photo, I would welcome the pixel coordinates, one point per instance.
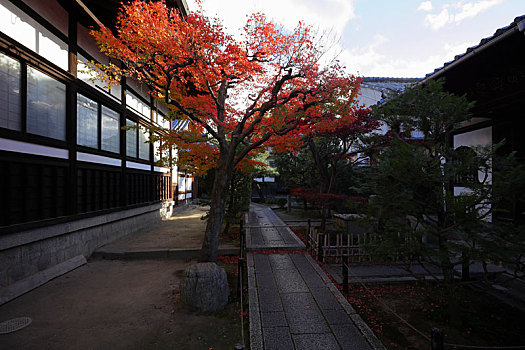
(436, 74)
(183, 6)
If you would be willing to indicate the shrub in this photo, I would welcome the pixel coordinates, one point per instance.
(282, 202)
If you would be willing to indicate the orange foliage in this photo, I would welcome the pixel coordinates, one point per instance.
(267, 87)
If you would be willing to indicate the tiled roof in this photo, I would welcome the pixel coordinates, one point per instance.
(388, 84)
(385, 79)
(518, 22)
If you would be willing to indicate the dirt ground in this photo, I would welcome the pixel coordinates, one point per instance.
(125, 304)
(184, 230)
(113, 304)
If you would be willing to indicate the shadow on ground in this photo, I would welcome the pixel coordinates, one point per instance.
(123, 304)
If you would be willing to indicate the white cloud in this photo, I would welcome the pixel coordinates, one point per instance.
(373, 61)
(451, 50)
(436, 21)
(425, 6)
(472, 9)
(457, 12)
(324, 15)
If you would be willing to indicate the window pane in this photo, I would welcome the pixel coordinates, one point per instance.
(137, 104)
(131, 139)
(87, 122)
(85, 74)
(46, 105)
(52, 48)
(156, 151)
(110, 130)
(22, 28)
(143, 143)
(116, 91)
(91, 77)
(9, 93)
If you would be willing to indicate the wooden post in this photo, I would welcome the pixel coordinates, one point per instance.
(241, 236)
(345, 274)
(240, 275)
(240, 263)
(289, 203)
(436, 339)
(308, 234)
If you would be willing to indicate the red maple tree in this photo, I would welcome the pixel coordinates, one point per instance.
(237, 93)
(331, 144)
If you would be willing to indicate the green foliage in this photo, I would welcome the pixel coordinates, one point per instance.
(296, 170)
(206, 183)
(414, 207)
(281, 202)
(426, 108)
(261, 170)
(239, 196)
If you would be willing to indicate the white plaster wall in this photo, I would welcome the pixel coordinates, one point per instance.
(368, 97)
(480, 137)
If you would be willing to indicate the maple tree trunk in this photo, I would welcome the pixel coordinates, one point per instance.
(210, 246)
(230, 204)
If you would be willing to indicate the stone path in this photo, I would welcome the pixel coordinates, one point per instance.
(293, 304)
(268, 231)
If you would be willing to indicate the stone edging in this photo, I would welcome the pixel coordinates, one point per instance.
(368, 334)
(256, 342)
(23, 286)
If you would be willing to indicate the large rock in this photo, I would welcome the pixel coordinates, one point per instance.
(205, 287)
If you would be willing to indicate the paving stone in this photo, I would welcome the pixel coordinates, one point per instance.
(299, 259)
(290, 281)
(281, 262)
(273, 319)
(291, 240)
(271, 234)
(309, 321)
(297, 300)
(312, 279)
(277, 338)
(268, 288)
(256, 241)
(269, 302)
(302, 264)
(264, 269)
(336, 317)
(269, 293)
(260, 259)
(294, 301)
(325, 341)
(265, 281)
(350, 338)
(262, 265)
(286, 234)
(305, 268)
(325, 299)
(303, 314)
(275, 244)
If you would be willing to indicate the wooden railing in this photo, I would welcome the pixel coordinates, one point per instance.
(332, 245)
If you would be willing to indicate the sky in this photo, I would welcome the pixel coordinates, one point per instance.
(383, 38)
